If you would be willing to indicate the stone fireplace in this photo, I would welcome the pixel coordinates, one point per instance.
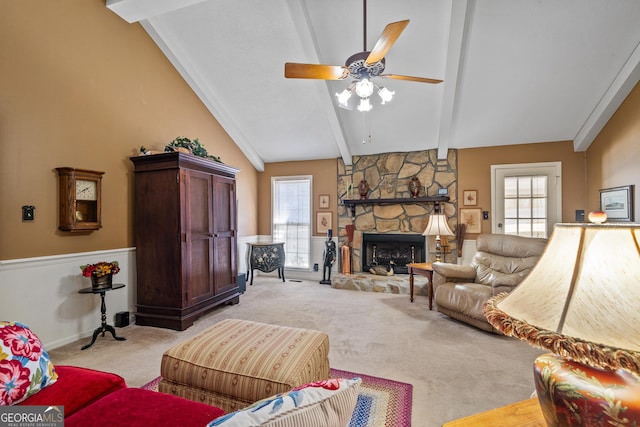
(393, 215)
(391, 249)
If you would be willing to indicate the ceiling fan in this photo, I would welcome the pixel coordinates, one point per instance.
(361, 66)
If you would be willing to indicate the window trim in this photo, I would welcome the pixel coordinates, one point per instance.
(524, 167)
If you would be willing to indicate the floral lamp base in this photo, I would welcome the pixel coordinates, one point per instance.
(573, 394)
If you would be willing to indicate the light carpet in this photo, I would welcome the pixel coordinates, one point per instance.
(455, 369)
(381, 402)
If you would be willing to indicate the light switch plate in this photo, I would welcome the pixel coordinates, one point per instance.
(28, 213)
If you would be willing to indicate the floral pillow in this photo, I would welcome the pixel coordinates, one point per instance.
(323, 403)
(25, 366)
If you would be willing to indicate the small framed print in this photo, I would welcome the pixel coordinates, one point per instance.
(323, 222)
(469, 197)
(617, 203)
(472, 218)
(324, 201)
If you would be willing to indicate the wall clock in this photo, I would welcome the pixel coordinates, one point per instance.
(80, 199)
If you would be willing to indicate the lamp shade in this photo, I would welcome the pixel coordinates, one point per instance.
(437, 226)
(582, 300)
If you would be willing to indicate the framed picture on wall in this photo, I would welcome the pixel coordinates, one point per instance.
(472, 218)
(470, 197)
(324, 201)
(323, 222)
(617, 203)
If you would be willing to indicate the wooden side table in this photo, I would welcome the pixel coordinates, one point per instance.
(423, 269)
(526, 413)
(265, 257)
(103, 313)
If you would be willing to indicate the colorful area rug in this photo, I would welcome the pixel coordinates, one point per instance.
(381, 402)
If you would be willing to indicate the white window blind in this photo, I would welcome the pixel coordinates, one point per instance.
(291, 218)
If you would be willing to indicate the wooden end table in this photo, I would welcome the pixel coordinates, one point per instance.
(526, 413)
(104, 327)
(423, 269)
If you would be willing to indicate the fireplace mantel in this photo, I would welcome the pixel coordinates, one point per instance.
(436, 200)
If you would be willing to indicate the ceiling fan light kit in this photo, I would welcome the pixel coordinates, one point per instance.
(385, 94)
(365, 105)
(364, 89)
(362, 66)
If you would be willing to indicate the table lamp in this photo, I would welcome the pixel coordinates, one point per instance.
(582, 303)
(438, 227)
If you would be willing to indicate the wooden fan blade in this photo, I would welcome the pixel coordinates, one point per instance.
(388, 37)
(410, 78)
(294, 70)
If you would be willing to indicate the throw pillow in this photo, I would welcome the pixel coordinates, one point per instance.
(324, 403)
(25, 366)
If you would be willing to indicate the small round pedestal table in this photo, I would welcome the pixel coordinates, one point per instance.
(103, 310)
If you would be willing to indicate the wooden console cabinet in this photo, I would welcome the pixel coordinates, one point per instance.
(265, 257)
(185, 235)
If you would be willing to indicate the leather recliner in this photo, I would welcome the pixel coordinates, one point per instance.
(499, 265)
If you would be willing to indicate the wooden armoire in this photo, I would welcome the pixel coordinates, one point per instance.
(185, 235)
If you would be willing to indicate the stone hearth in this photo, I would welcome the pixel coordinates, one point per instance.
(396, 284)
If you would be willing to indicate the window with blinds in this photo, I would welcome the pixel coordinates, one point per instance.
(291, 218)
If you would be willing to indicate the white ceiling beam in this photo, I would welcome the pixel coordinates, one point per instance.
(627, 78)
(457, 29)
(139, 10)
(199, 85)
(302, 22)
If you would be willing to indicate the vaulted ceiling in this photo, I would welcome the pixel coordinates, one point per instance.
(514, 71)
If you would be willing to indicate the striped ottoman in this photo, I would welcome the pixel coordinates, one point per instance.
(237, 362)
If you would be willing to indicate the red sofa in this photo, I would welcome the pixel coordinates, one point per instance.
(95, 398)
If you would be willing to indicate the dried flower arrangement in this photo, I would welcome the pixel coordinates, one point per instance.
(100, 269)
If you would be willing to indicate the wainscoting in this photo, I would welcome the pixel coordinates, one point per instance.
(42, 292)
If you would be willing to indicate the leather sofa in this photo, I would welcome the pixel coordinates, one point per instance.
(499, 265)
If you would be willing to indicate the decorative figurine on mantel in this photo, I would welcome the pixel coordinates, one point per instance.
(414, 187)
(363, 189)
(329, 257)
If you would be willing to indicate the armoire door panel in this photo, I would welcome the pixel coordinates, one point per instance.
(200, 278)
(198, 226)
(224, 207)
(200, 220)
(225, 278)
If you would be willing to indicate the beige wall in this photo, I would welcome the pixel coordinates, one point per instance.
(474, 172)
(614, 157)
(80, 87)
(325, 181)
